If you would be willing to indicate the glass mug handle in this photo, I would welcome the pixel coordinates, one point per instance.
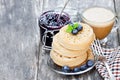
(44, 40)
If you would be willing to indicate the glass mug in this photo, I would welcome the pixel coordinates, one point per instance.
(49, 29)
(100, 19)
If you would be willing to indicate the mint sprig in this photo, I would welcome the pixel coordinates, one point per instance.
(71, 27)
(75, 25)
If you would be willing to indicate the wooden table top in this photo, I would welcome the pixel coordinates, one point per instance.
(21, 55)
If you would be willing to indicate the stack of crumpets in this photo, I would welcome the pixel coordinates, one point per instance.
(71, 45)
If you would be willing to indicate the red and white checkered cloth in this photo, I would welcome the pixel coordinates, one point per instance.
(114, 66)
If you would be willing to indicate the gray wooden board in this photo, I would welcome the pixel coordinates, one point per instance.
(45, 73)
(19, 40)
(20, 58)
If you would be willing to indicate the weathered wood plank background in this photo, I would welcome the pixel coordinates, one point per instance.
(19, 40)
(21, 56)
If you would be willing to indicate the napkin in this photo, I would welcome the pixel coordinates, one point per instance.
(114, 64)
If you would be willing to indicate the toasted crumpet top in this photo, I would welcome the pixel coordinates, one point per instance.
(82, 40)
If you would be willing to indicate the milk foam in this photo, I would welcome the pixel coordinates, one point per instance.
(98, 14)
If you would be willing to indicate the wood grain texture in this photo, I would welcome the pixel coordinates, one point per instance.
(45, 73)
(19, 40)
(20, 58)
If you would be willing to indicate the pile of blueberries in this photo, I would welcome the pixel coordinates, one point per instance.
(88, 64)
(50, 19)
(75, 31)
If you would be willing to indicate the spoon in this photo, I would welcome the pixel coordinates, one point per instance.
(63, 9)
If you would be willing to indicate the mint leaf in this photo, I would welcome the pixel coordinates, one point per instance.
(69, 29)
(72, 27)
(75, 25)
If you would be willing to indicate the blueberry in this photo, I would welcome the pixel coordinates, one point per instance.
(51, 24)
(74, 31)
(61, 17)
(65, 69)
(55, 20)
(42, 19)
(56, 16)
(83, 67)
(90, 63)
(53, 17)
(77, 69)
(60, 23)
(79, 28)
(49, 16)
(55, 23)
(65, 17)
